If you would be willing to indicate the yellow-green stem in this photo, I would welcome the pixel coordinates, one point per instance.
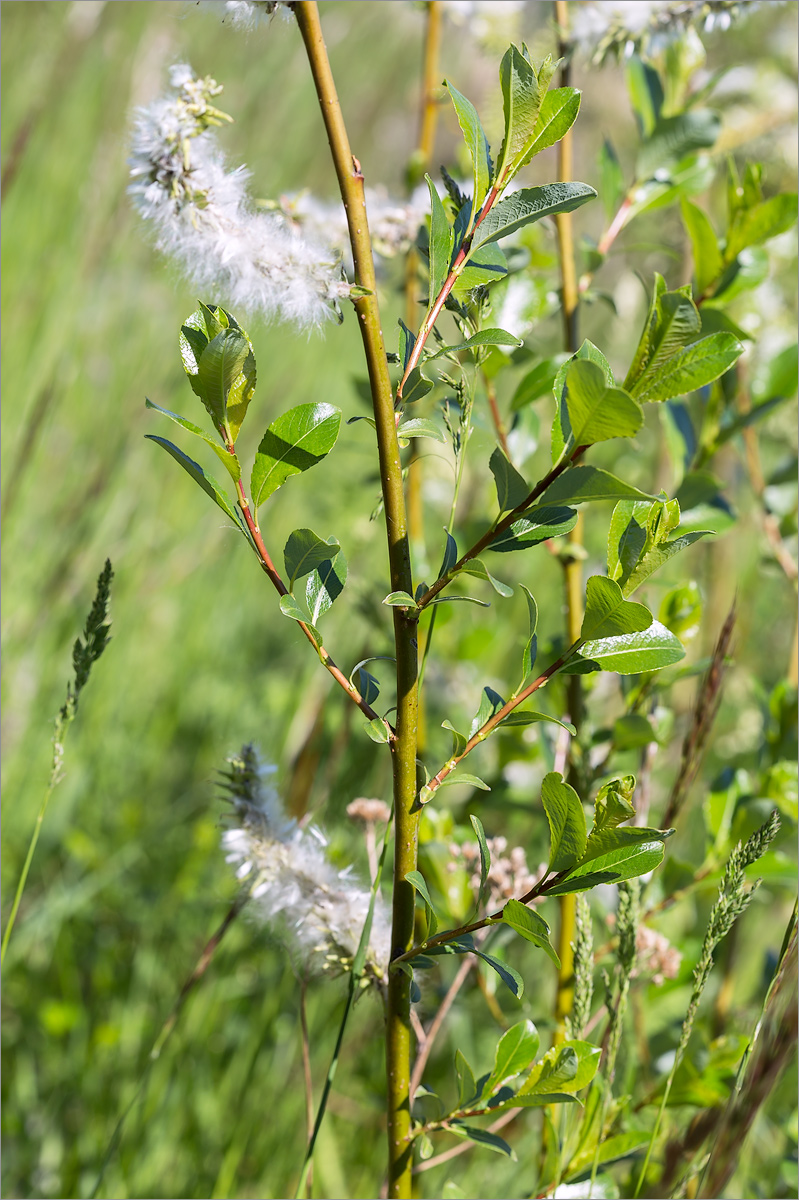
(403, 746)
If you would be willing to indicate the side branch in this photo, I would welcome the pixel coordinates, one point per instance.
(499, 527)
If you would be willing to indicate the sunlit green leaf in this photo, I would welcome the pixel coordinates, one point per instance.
(304, 551)
(532, 927)
(294, 442)
(608, 614)
(567, 829)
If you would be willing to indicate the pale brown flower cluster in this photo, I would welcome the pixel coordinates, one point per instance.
(509, 876)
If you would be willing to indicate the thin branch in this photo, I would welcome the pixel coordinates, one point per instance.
(426, 1045)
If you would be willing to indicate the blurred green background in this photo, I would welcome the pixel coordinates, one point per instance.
(128, 880)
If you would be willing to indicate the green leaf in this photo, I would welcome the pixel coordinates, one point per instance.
(407, 342)
(608, 614)
(632, 732)
(486, 337)
(708, 263)
(581, 485)
(531, 645)
(528, 205)
(612, 805)
(440, 242)
(464, 779)
(523, 716)
(290, 608)
(611, 179)
(459, 740)
(689, 369)
(536, 526)
(512, 488)
(476, 144)
(490, 1140)
(325, 584)
(598, 412)
(230, 461)
(220, 365)
(416, 387)
(467, 1088)
(526, 922)
(621, 1145)
(304, 551)
(674, 138)
(631, 653)
(757, 224)
(294, 442)
(512, 979)
(485, 854)
(672, 322)
(450, 555)
(376, 730)
(561, 426)
(476, 568)
(556, 1072)
(628, 858)
(658, 556)
(400, 600)
(208, 485)
(536, 383)
(419, 427)
(521, 101)
(558, 112)
(515, 1052)
(490, 704)
(416, 879)
(566, 822)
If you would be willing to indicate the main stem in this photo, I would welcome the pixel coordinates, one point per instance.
(403, 746)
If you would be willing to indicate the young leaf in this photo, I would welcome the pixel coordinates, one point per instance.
(613, 805)
(407, 342)
(531, 927)
(688, 369)
(521, 101)
(485, 855)
(304, 551)
(528, 205)
(440, 242)
(582, 484)
(376, 729)
(625, 859)
(416, 387)
(515, 1052)
(486, 337)
(491, 1141)
(598, 412)
(399, 600)
(512, 488)
(458, 739)
(294, 442)
(220, 365)
(524, 716)
(632, 653)
(476, 144)
(556, 1072)
(753, 225)
(558, 113)
(659, 555)
(416, 879)
(561, 426)
(490, 704)
(450, 555)
(230, 461)
(476, 568)
(290, 608)
(208, 485)
(462, 778)
(467, 1088)
(673, 322)
(536, 526)
(531, 645)
(419, 427)
(708, 263)
(608, 614)
(325, 584)
(566, 822)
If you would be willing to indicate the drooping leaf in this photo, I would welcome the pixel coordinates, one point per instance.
(531, 645)
(462, 779)
(290, 608)
(230, 461)
(376, 730)
(419, 427)
(303, 551)
(485, 854)
(450, 555)
(294, 442)
(440, 242)
(476, 144)
(625, 858)
(566, 818)
(532, 927)
(483, 266)
(486, 337)
(459, 740)
(407, 341)
(467, 1088)
(598, 412)
(476, 567)
(650, 649)
(490, 704)
(416, 879)
(512, 488)
(491, 1141)
(528, 205)
(416, 387)
(524, 716)
(325, 584)
(583, 484)
(536, 526)
(208, 485)
(608, 614)
(511, 978)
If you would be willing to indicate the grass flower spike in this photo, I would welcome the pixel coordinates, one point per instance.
(201, 215)
(316, 910)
